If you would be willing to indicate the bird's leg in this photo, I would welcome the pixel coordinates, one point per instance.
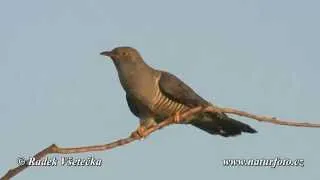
(139, 132)
(145, 124)
(177, 117)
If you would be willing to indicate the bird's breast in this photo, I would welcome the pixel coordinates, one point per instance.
(145, 88)
(139, 85)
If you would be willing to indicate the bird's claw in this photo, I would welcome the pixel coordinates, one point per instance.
(140, 133)
(177, 118)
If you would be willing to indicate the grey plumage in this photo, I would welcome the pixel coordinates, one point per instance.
(153, 95)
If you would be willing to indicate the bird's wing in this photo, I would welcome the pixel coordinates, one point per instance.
(213, 123)
(175, 89)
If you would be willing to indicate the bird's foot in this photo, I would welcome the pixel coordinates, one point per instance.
(139, 133)
(177, 118)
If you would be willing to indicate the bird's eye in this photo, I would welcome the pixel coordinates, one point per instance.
(124, 53)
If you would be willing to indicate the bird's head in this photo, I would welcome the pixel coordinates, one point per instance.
(123, 54)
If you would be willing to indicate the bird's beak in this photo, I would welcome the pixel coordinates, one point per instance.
(107, 53)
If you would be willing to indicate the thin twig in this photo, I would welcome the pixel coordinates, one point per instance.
(268, 119)
(60, 150)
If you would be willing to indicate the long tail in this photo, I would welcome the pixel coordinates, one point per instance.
(222, 125)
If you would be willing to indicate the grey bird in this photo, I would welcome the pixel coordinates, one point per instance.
(153, 95)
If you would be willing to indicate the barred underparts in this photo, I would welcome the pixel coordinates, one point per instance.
(165, 105)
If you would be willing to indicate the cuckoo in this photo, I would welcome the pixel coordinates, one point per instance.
(153, 95)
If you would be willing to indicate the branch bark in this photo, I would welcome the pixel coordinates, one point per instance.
(54, 149)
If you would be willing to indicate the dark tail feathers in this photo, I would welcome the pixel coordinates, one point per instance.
(222, 125)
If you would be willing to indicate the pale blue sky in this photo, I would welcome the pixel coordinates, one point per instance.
(258, 56)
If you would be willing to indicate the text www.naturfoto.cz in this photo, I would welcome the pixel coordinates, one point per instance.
(273, 163)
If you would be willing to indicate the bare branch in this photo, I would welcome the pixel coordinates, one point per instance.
(268, 119)
(54, 149)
